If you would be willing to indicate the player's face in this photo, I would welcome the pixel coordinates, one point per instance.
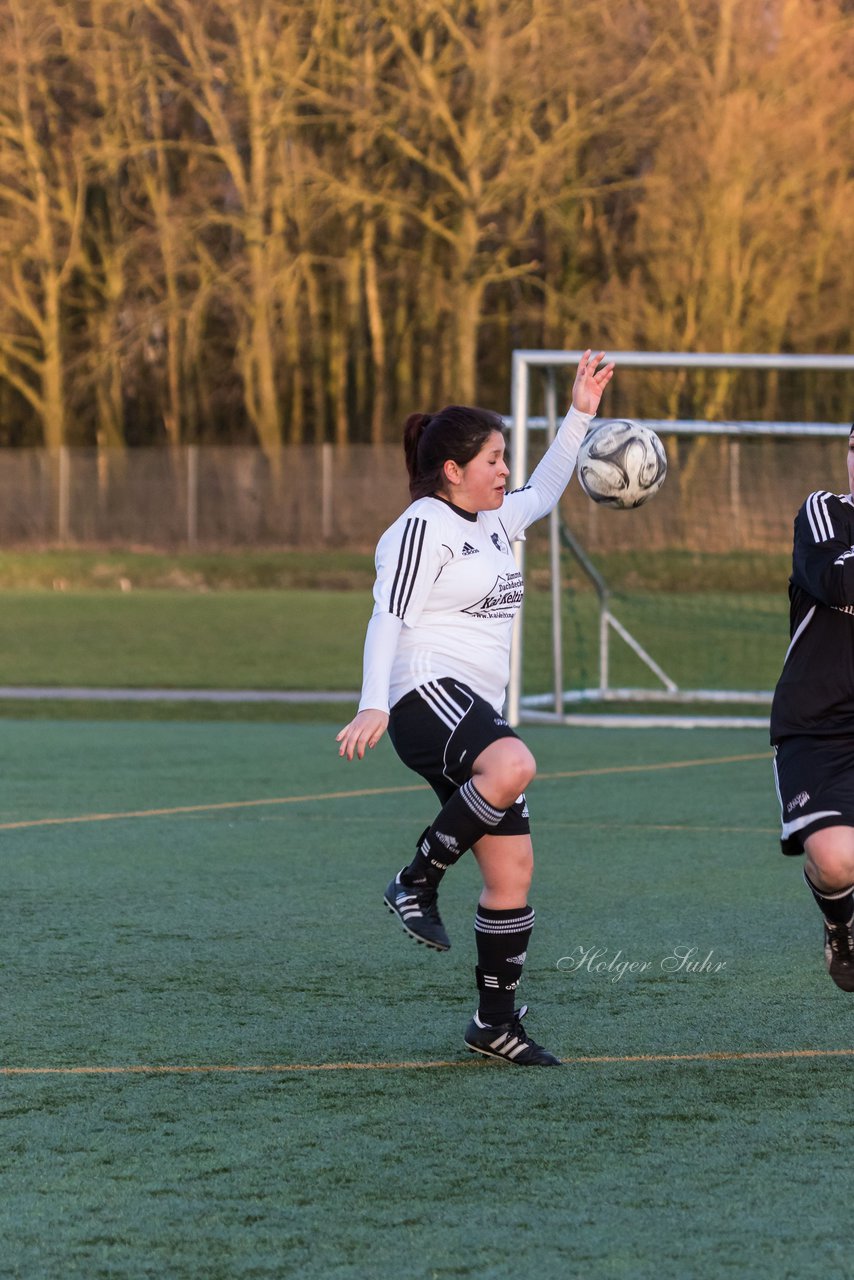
(483, 480)
(851, 463)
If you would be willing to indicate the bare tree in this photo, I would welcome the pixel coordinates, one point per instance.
(456, 144)
(744, 191)
(42, 202)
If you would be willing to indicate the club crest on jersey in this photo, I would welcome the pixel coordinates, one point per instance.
(503, 600)
(500, 546)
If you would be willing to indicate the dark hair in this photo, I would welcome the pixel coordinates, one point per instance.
(456, 433)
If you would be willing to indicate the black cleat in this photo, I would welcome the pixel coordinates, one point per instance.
(416, 909)
(839, 953)
(509, 1042)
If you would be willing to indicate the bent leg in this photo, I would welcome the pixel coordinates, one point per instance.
(503, 770)
(500, 773)
(829, 862)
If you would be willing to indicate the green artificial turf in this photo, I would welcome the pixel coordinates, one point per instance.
(240, 934)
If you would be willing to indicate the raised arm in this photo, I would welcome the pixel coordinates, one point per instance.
(552, 475)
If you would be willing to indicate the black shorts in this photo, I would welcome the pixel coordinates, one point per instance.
(440, 729)
(815, 787)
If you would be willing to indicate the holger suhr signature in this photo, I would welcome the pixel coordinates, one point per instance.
(614, 965)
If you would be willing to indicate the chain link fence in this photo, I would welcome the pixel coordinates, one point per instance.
(720, 495)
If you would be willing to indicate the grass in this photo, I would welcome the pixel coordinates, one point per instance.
(237, 639)
(88, 569)
(110, 570)
(144, 620)
(301, 639)
(313, 640)
(197, 938)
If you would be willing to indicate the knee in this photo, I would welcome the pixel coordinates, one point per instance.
(520, 768)
(507, 767)
(830, 874)
(830, 859)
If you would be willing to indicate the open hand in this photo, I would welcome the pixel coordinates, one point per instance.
(365, 730)
(590, 382)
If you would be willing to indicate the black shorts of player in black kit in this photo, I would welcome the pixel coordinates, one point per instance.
(440, 729)
(815, 787)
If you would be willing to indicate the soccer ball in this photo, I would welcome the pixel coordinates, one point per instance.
(621, 464)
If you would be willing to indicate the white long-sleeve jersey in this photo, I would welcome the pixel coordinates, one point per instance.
(448, 589)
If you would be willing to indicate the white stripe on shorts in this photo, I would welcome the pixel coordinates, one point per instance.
(440, 702)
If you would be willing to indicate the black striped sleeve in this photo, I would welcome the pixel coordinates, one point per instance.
(408, 563)
(823, 553)
(818, 517)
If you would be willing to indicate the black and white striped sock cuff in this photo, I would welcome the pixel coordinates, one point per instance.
(831, 897)
(481, 809)
(500, 922)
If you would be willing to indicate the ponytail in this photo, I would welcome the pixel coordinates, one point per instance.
(413, 430)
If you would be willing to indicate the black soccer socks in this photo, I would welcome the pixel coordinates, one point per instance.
(502, 943)
(837, 908)
(465, 818)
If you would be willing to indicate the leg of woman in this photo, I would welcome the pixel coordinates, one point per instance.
(503, 926)
(507, 867)
(499, 775)
(503, 923)
(829, 873)
(504, 919)
(439, 736)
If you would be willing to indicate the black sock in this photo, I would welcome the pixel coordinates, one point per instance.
(502, 943)
(465, 818)
(837, 908)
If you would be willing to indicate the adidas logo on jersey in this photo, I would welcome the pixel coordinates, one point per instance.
(469, 550)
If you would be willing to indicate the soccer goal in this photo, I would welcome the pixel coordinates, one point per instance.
(674, 614)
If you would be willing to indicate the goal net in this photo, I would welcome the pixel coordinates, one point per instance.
(674, 613)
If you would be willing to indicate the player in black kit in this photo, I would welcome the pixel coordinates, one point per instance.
(812, 716)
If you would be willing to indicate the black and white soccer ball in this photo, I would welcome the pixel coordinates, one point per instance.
(621, 464)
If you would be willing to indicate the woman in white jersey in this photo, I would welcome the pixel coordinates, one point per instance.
(436, 666)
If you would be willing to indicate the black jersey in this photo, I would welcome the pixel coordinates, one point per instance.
(815, 692)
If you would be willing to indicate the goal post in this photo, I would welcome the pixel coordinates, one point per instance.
(717, 536)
